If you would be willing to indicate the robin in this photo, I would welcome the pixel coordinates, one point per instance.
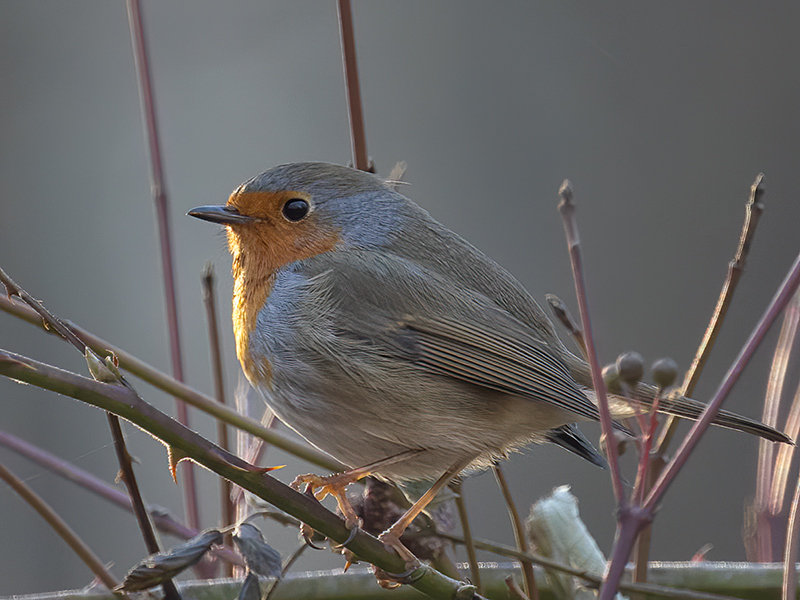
(390, 342)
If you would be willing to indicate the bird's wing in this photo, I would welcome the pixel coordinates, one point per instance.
(419, 315)
(472, 352)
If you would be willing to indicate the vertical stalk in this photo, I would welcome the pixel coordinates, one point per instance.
(162, 213)
(358, 137)
(227, 509)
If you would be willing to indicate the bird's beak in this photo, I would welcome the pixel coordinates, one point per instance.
(224, 215)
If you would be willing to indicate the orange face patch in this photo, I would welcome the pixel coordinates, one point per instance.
(259, 249)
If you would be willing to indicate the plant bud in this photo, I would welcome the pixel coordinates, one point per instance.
(665, 371)
(630, 366)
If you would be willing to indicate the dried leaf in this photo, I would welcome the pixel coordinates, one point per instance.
(250, 588)
(260, 557)
(157, 568)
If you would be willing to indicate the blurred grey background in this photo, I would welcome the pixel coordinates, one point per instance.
(660, 113)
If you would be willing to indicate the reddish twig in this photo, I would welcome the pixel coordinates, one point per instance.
(567, 210)
(562, 314)
(60, 527)
(781, 299)
(753, 210)
(762, 545)
(97, 486)
(142, 64)
(227, 508)
(784, 459)
(358, 138)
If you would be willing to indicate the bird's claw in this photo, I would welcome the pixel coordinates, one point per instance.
(392, 541)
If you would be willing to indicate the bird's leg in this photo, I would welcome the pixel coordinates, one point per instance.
(335, 484)
(391, 537)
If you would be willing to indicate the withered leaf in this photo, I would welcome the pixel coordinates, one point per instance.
(260, 557)
(157, 568)
(250, 588)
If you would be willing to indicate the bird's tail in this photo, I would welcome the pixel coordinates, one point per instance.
(687, 408)
(672, 404)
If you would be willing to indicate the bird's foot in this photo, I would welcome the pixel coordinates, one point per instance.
(391, 539)
(321, 486)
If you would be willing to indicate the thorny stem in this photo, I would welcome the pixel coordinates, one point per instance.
(124, 402)
(126, 468)
(567, 210)
(86, 480)
(358, 138)
(753, 210)
(227, 508)
(174, 387)
(466, 530)
(782, 297)
(60, 527)
(159, 190)
(531, 591)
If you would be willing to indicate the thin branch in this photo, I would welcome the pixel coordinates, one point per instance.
(514, 590)
(466, 530)
(358, 138)
(125, 465)
(567, 210)
(767, 466)
(60, 527)
(559, 309)
(227, 507)
(785, 455)
(781, 299)
(791, 552)
(591, 579)
(137, 503)
(174, 387)
(753, 210)
(159, 188)
(285, 569)
(163, 521)
(124, 402)
(531, 591)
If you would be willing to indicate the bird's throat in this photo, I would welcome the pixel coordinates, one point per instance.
(251, 287)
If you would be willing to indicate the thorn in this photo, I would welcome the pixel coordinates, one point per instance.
(175, 456)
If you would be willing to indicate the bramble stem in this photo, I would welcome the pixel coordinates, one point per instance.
(174, 387)
(124, 402)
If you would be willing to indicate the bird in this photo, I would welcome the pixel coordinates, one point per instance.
(392, 343)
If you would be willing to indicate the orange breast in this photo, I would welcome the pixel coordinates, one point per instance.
(259, 249)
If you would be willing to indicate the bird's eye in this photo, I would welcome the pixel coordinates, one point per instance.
(295, 209)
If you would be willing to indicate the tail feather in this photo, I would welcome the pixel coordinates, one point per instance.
(570, 438)
(687, 408)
